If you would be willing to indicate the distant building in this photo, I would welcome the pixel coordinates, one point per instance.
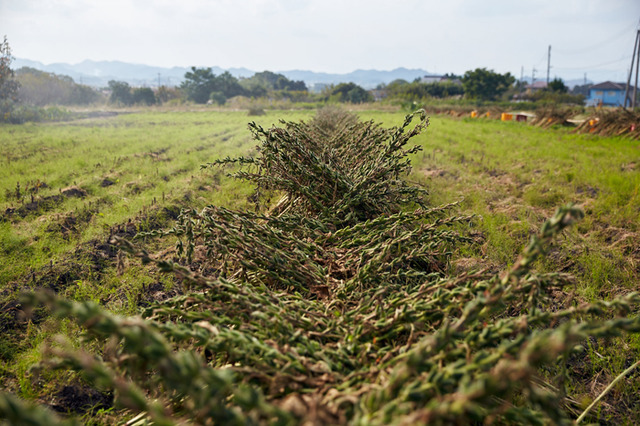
(535, 87)
(431, 78)
(440, 79)
(318, 87)
(607, 93)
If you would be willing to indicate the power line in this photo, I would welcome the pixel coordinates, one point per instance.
(591, 48)
(625, 58)
(542, 58)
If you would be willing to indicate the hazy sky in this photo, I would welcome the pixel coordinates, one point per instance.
(592, 36)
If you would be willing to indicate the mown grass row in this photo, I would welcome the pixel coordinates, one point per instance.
(334, 306)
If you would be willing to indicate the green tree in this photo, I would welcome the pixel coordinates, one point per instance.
(165, 94)
(398, 82)
(256, 89)
(120, 92)
(582, 89)
(42, 88)
(198, 84)
(8, 86)
(350, 92)
(143, 95)
(228, 85)
(486, 84)
(218, 98)
(557, 86)
(83, 94)
(266, 82)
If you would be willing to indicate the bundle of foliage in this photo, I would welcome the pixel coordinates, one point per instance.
(42, 88)
(344, 175)
(334, 309)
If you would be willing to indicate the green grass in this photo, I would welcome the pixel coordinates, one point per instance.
(511, 174)
(514, 175)
(152, 162)
(125, 165)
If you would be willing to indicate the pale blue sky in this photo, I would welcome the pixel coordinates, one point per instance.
(592, 36)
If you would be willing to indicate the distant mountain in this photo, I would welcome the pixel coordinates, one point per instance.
(576, 82)
(99, 73)
(365, 78)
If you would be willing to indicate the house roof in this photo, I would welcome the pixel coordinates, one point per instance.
(537, 85)
(609, 85)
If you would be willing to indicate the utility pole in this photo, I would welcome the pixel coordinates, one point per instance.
(533, 75)
(585, 78)
(635, 86)
(158, 80)
(548, 64)
(521, 74)
(636, 57)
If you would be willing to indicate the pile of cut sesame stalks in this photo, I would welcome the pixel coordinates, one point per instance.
(553, 115)
(333, 304)
(612, 122)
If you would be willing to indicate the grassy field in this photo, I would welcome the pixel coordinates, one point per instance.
(67, 183)
(514, 176)
(65, 188)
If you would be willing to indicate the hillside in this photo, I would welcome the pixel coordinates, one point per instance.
(98, 73)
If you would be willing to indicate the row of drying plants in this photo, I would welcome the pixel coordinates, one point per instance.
(552, 115)
(330, 303)
(601, 122)
(618, 122)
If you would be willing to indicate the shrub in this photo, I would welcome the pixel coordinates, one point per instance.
(255, 110)
(24, 113)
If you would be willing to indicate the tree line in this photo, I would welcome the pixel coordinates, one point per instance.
(202, 86)
(28, 86)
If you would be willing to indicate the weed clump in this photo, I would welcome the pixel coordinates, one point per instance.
(333, 306)
(255, 110)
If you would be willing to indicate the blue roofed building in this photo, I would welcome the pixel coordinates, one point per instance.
(608, 93)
